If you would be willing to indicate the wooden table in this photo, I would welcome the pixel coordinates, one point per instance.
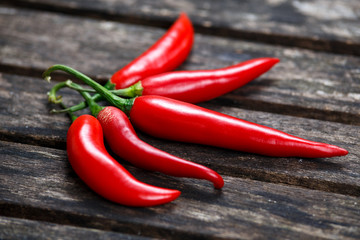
(314, 92)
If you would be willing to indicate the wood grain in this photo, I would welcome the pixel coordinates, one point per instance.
(322, 25)
(15, 228)
(305, 83)
(25, 117)
(55, 194)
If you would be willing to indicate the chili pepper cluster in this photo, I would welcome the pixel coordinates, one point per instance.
(148, 95)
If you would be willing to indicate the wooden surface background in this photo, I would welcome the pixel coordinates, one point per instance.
(314, 92)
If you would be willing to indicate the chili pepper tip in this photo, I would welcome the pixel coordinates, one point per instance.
(340, 151)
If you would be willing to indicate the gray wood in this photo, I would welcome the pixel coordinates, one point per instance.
(25, 117)
(323, 25)
(15, 228)
(38, 183)
(305, 83)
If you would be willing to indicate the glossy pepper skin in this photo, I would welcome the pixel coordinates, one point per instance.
(203, 85)
(103, 174)
(165, 55)
(123, 140)
(175, 120)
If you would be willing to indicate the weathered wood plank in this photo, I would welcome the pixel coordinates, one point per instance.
(324, 25)
(24, 114)
(15, 228)
(305, 83)
(38, 183)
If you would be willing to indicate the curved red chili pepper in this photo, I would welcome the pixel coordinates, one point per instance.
(175, 120)
(103, 174)
(123, 140)
(165, 55)
(203, 85)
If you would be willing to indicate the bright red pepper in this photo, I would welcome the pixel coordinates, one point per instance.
(103, 174)
(197, 86)
(165, 55)
(203, 85)
(175, 120)
(123, 140)
(172, 119)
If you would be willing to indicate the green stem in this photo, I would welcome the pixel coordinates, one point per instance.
(132, 91)
(77, 87)
(58, 99)
(124, 104)
(54, 99)
(94, 107)
(82, 105)
(96, 97)
(52, 94)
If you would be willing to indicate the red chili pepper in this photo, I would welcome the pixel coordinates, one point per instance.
(175, 120)
(196, 86)
(103, 174)
(165, 55)
(203, 85)
(123, 140)
(172, 119)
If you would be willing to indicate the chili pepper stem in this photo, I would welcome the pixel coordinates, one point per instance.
(124, 104)
(132, 91)
(65, 110)
(52, 93)
(58, 99)
(77, 87)
(94, 107)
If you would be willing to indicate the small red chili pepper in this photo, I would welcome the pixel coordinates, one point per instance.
(203, 85)
(176, 120)
(123, 140)
(165, 55)
(103, 174)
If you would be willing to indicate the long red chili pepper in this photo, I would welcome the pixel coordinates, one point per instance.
(103, 174)
(165, 55)
(202, 85)
(124, 142)
(172, 119)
